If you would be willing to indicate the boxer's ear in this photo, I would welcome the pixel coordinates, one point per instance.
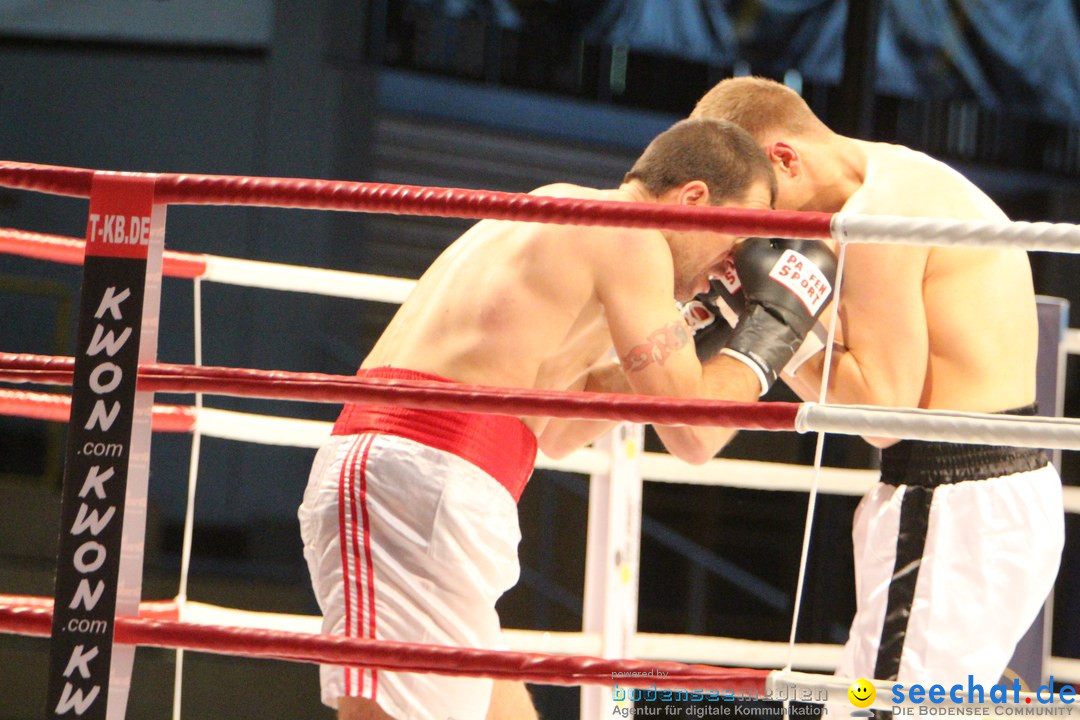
(785, 158)
(695, 192)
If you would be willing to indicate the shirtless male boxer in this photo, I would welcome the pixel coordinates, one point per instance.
(410, 519)
(957, 546)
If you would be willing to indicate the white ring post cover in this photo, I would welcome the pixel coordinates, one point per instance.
(612, 556)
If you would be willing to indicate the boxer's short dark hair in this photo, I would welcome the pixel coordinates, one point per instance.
(716, 152)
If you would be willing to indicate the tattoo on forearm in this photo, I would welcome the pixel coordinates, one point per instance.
(657, 348)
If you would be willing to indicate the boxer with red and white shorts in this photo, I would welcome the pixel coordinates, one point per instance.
(410, 519)
(410, 532)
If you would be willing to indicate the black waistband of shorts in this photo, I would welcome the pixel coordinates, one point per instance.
(929, 464)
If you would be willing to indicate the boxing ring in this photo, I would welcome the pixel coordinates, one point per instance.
(609, 642)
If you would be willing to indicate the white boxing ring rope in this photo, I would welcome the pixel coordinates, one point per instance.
(811, 417)
(948, 232)
(188, 536)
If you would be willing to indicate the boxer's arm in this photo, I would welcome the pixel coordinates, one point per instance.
(655, 346)
(813, 346)
(885, 330)
(561, 436)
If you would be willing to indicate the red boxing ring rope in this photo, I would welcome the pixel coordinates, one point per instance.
(319, 387)
(36, 620)
(72, 251)
(57, 408)
(313, 194)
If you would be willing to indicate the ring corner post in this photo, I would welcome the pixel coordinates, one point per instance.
(612, 557)
(103, 501)
(1031, 657)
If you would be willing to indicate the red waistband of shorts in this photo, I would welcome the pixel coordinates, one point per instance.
(500, 445)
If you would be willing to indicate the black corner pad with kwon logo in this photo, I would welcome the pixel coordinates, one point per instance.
(98, 452)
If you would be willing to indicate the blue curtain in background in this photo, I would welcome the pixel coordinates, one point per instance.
(697, 30)
(804, 35)
(1022, 56)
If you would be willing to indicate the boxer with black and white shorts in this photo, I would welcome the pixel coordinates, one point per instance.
(958, 546)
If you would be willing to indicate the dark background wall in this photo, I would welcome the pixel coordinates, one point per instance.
(499, 95)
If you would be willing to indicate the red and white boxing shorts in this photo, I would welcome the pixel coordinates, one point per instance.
(410, 531)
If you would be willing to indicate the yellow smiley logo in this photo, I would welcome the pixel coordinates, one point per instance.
(861, 693)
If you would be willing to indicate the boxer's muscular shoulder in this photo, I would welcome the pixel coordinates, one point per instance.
(901, 181)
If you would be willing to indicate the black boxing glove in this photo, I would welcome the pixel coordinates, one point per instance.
(787, 285)
(711, 315)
